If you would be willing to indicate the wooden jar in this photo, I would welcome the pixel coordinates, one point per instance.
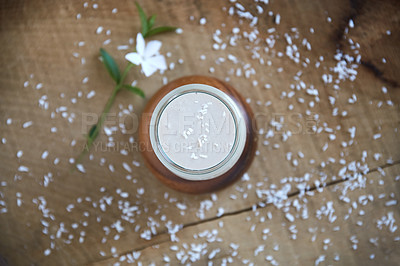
(218, 176)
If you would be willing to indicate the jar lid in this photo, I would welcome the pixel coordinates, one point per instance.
(197, 132)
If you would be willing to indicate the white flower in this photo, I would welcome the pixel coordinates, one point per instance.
(147, 56)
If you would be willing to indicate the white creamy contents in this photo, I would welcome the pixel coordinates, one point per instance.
(196, 131)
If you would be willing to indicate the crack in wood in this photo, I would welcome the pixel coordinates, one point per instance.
(290, 195)
(378, 73)
(355, 11)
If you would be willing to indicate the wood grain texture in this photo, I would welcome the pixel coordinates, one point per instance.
(42, 42)
(378, 36)
(265, 235)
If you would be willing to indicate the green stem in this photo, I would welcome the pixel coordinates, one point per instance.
(127, 68)
(104, 114)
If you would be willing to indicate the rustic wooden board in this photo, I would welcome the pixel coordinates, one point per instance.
(325, 227)
(40, 44)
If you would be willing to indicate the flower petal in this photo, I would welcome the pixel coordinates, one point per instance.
(134, 58)
(152, 48)
(140, 44)
(157, 61)
(148, 69)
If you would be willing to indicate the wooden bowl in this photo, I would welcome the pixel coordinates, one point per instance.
(190, 186)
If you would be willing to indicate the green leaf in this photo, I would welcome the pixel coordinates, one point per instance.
(160, 30)
(143, 19)
(92, 132)
(150, 21)
(111, 66)
(133, 89)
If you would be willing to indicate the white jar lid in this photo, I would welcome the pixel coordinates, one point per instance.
(197, 132)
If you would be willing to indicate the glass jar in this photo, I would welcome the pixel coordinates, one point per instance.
(197, 134)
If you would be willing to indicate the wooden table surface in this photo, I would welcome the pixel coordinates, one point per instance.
(321, 76)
